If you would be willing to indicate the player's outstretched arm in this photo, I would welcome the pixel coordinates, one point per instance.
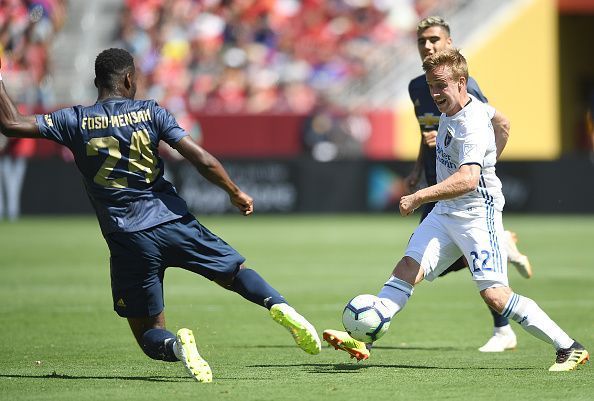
(464, 180)
(211, 169)
(501, 127)
(12, 123)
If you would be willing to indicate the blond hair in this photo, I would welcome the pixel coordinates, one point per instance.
(450, 58)
(433, 20)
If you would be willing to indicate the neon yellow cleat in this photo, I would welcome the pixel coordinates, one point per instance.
(569, 358)
(341, 340)
(302, 331)
(196, 366)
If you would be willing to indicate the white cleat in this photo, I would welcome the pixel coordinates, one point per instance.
(500, 342)
(515, 257)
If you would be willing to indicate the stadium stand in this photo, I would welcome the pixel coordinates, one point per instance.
(308, 58)
(27, 31)
(263, 56)
(278, 57)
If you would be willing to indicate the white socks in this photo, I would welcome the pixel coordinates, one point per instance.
(394, 294)
(503, 331)
(535, 321)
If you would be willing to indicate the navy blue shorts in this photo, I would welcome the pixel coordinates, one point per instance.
(138, 261)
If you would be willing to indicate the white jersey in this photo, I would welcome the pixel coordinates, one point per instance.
(467, 137)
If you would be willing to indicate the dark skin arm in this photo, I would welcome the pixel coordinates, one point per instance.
(428, 138)
(412, 180)
(211, 169)
(12, 123)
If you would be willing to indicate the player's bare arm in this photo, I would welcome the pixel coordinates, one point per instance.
(211, 169)
(12, 123)
(430, 138)
(501, 126)
(590, 127)
(413, 178)
(464, 180)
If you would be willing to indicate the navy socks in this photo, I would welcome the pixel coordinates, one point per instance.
(498, 320)
(158, 344)
(250, 285)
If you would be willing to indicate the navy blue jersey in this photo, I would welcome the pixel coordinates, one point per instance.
(114, 143)
(428, 117)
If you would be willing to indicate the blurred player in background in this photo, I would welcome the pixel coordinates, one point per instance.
(145, 223)
(467, 219)
(590, 125)
(433, 35)
(14, 153)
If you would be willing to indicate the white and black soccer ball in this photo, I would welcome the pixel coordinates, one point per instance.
(366, 318)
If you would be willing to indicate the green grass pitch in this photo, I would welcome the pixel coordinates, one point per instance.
(62, 341)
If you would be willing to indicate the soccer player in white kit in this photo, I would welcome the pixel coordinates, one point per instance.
(467, 218)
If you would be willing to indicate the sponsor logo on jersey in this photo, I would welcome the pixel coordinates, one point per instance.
(121, 303)
(448, 138)
(428, 120)
(468, 148)
(444, 158)
(48, 120)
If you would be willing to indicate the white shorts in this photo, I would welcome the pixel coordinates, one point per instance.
(441, 239)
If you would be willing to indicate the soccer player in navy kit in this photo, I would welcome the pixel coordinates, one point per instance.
(145, 223)
(433, 35)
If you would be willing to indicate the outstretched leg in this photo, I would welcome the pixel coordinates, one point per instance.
(394, 295)
(250, 285)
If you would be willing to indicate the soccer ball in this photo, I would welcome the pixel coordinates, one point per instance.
(366, 318)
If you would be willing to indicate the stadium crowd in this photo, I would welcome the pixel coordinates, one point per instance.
(27, 28)
(268, 56)
(232, 56)
(265, 56)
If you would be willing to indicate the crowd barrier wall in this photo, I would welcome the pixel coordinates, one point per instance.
(301, 185)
